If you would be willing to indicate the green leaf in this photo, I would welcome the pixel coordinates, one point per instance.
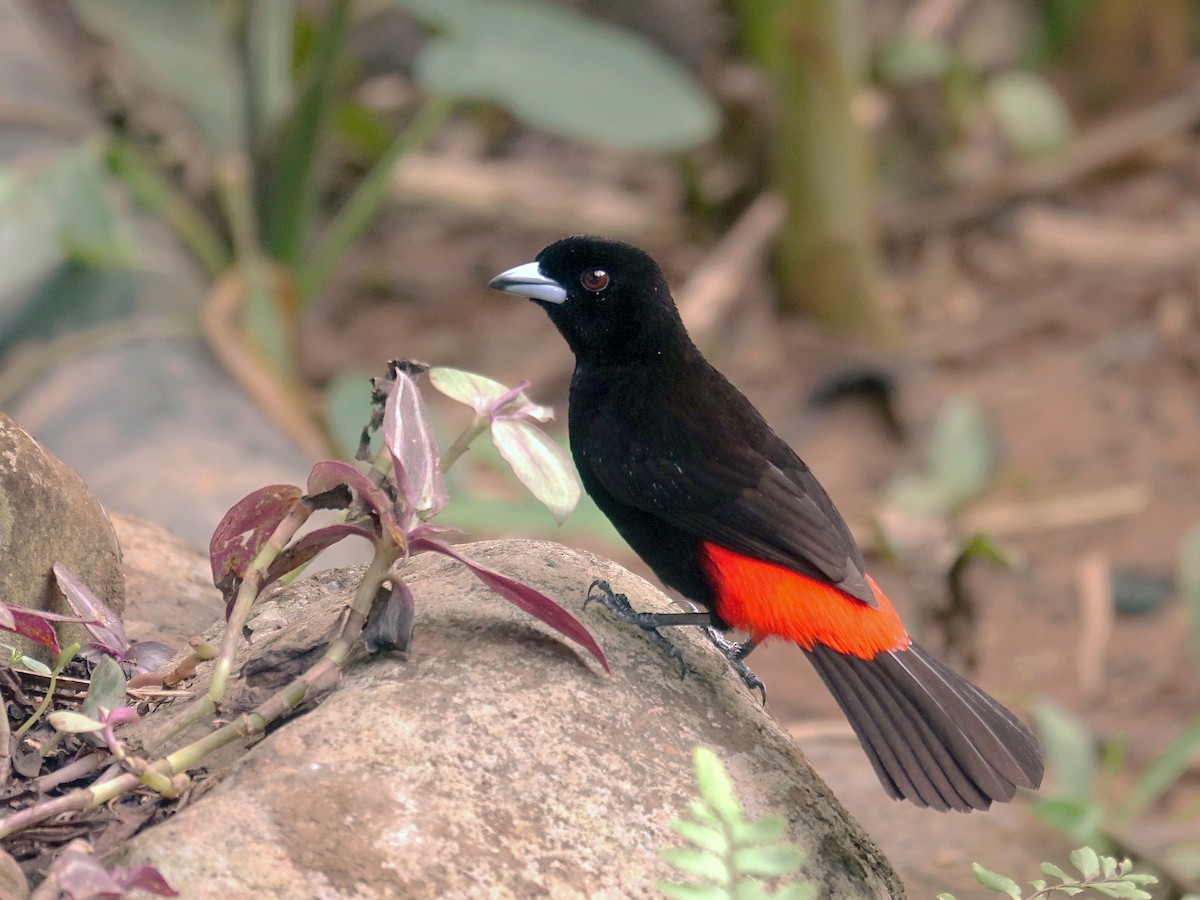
(1087, 861)
(778, 860)
(347, 409)
(946, 897)
(1031, 114)
(1161, 774)
(269, 32)
(481, 393)
(1054, 871)
(1076, 817)
(539, 463)
(34, 665)
(909, 58)
(760, 832)
(182, 50)
(919, 496)
(1070, 749)
(692, 891)
(107, 688)
(703, 836)
(55, 207)
(559, 71)
(980, 546)
(750, 889)
(960, 450)
(697, 863)
(715, 787)
(73, 722)
(994, 881)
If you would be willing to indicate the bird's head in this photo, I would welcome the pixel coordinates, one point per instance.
(609, 299)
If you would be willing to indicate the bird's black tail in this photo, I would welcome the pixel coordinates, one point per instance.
(933, 737)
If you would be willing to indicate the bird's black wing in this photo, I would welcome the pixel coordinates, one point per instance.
(711, 466)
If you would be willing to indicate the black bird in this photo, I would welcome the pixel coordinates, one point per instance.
(724, 512)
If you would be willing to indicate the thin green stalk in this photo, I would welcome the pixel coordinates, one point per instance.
(292, 196)
(264, 320)
(462, 443)
(370, 194)
(155, 192)
(64, 657)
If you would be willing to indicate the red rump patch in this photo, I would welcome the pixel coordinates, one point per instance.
(770, 601)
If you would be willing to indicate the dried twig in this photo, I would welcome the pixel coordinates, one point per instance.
(1094, 578)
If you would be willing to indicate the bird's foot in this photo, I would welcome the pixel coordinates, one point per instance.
(736, 654)
(618, 605)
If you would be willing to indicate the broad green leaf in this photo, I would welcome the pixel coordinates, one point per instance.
(1087, 861)
(539, 463)
(1031, 113)
(1070, 749)
(54, 207)
(347, 403)
(714, 785)
(107, 688)
(562, 72)
(703, 836)
(778, 860)
(994, 881)
(183, 50)
(73, 722)
(960, 450)
(697, 863)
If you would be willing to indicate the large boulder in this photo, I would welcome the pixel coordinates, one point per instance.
(48, 516)
(495, 758)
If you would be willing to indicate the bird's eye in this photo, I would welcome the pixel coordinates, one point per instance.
(594, 280)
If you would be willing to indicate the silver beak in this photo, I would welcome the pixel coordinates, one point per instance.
(528, 281)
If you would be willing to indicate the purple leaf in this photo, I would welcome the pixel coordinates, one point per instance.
(329, 473)
(539, 463)
(145, 656)
(241, 534)
(532, 601)
(80, 875)
(409, 438)
(304, 550)
(146, 878)
(104, 623)
(35, 625)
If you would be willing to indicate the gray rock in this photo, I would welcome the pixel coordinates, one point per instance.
(495, 759)
(48, 516)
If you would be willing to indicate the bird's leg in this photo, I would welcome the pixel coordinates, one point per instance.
(618, 605)
(736, 654)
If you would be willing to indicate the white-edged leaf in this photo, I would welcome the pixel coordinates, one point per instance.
(563, 72)
(539, 463)
(73, 722)
(483, 394)
(409, 436)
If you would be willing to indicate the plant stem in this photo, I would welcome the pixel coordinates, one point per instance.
(366, 199)
(253, 722)
(46, 700)
(248, 592)
(462, 443)
(149, 188)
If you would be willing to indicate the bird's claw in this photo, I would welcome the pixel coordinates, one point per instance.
(618, 604)
(736, 654)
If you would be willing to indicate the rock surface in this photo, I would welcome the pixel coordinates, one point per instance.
(495, 759)
(48, 516)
